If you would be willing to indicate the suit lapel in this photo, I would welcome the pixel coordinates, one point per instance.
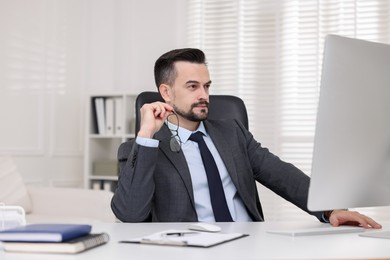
(224, 150)
(176, 158)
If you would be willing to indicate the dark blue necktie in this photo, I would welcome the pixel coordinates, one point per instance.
(217, 195)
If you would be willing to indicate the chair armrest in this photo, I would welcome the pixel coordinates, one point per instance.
(71, 202)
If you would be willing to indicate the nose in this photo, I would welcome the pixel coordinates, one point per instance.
(203, 93)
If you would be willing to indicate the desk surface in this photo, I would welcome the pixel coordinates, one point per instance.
(258, 245)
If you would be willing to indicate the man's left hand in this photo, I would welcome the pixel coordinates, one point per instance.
(345, 217)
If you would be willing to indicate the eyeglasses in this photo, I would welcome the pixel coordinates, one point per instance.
(175, 141)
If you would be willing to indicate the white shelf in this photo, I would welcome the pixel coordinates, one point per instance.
(104, 147)
(104, 178)
(99, 136)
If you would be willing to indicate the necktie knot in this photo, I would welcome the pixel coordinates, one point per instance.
(197, 137)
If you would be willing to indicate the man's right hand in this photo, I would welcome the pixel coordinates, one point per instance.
(153, 116)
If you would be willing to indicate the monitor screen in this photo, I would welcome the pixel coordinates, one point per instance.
(351, 156)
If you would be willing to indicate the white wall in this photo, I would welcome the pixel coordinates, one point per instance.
(125, 38)
(52, 53)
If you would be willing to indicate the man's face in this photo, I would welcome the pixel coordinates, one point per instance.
(190, 92)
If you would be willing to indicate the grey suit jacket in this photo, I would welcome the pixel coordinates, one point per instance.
(155, 183)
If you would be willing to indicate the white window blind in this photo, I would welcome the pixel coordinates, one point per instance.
(269, 53)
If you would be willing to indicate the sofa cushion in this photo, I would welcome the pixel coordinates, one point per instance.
(13, 191)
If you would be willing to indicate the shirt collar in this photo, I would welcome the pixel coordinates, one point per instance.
(183, 133)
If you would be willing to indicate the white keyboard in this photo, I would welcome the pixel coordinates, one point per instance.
(328, 230)
(376, 234)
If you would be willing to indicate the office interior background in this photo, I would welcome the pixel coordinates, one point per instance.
(54, 53)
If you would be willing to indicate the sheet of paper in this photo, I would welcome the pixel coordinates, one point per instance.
(176, 237)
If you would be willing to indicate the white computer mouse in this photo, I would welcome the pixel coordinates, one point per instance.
(201, 226)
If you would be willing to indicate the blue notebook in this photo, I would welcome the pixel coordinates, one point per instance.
(45, 232)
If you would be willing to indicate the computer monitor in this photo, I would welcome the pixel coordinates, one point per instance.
(351, 157)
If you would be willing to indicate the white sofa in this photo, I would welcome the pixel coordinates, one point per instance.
(69, 205)
(53, 205)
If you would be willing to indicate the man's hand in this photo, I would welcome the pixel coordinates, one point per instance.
(344, 217)
(153, 116)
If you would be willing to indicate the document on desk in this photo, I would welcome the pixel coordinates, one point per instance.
(326, 230)
(188, 238)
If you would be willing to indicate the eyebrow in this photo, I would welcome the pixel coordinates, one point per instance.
(197, 82)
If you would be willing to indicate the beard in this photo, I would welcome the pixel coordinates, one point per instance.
(190, 115)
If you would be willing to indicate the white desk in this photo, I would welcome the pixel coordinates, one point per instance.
(258, 245)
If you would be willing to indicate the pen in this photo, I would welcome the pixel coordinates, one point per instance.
(179, 234)
(175, 238)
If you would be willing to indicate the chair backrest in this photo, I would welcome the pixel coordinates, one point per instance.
(221, 107)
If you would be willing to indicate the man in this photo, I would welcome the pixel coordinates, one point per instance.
(165, 172)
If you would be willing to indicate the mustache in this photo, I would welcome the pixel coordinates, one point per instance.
(204, 102)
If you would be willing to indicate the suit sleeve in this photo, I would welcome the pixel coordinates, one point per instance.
(281, 177)
(133, 197)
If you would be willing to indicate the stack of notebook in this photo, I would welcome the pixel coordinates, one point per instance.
(51, 238)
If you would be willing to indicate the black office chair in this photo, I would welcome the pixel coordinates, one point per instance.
(220, 107)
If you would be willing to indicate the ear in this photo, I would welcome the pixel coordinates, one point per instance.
(166, 92)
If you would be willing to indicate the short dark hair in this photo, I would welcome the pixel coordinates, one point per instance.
(164, 68)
